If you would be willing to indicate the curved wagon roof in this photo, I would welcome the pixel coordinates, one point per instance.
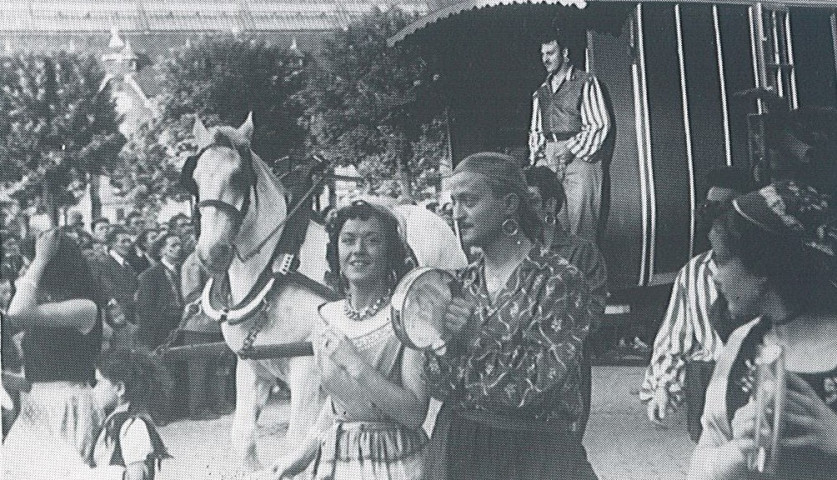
(450, 9)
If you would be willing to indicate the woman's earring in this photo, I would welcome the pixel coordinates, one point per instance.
(511, 227)
(549, 219)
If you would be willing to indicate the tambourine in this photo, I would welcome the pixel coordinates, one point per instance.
(419, 303)
(769, 391)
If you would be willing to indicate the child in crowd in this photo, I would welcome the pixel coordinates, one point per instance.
(126, 382)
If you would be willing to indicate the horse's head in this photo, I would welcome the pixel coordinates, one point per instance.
(221, 176)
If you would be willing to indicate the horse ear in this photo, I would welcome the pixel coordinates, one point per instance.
(201, 133)
(246, 128)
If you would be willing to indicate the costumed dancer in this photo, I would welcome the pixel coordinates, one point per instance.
(370, 426)
(58, 307)
(775, 256)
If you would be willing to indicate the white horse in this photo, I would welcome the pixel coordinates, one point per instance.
(243, 207)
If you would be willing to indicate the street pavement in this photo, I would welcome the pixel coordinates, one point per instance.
(621, 443)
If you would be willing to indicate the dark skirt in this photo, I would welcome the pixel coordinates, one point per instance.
(466, 449)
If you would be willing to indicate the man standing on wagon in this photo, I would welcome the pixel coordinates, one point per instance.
(570, 123)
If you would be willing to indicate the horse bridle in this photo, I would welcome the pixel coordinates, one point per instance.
(187, 180)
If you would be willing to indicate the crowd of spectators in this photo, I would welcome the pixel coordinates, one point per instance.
(146, 273)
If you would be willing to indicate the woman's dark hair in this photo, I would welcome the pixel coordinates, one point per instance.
(67, 275)
(160, 243)
(547, 184)
(799, 275)
(400, 259)
(142, 238)
(143, 374)
(114, 233)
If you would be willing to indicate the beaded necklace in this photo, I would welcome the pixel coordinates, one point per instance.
(367, 312)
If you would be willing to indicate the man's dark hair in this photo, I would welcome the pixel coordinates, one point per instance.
(733, 178)
(173, 220)
(555, 34)
(98, 221)
(547, 184)
(816, 127)
(142, 238)
(114, 232)
(132, 215)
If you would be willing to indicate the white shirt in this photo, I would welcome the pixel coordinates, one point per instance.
(133, 437)
(170, 266)
(119, 258)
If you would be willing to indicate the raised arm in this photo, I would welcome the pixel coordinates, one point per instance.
(405, 404)
(24, 310)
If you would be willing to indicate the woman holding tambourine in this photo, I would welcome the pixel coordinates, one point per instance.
(771, 403)
(509, 371)
(370, 427)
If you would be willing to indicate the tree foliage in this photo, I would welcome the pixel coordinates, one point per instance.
(58, 124)
(377, 107)
(221, 79)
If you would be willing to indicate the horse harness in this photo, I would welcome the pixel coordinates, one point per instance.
(287, 250)
(187, 180)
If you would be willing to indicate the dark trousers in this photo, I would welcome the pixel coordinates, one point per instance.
(698, 375)
(208, 376)
(473, 450)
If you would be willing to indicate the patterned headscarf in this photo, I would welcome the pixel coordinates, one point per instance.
(794, 211)
(503, 170)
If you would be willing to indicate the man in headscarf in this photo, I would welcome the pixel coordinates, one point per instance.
(509, 374)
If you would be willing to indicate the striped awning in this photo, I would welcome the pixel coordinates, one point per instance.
(467, 5)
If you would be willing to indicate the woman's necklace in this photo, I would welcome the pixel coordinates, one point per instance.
(366, 312)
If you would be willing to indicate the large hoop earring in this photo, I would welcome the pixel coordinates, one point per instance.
(510, 227)
(549, 219)
(393, 279)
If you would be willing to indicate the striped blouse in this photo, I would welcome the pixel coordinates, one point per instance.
(686, 332)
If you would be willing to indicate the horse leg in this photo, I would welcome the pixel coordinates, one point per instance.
(251, 396)
(306, 399)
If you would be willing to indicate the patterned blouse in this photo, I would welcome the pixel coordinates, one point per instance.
(518, 354)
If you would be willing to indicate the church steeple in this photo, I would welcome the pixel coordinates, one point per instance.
(121, 59)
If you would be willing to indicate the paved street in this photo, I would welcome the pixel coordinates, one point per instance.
(622, 445)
